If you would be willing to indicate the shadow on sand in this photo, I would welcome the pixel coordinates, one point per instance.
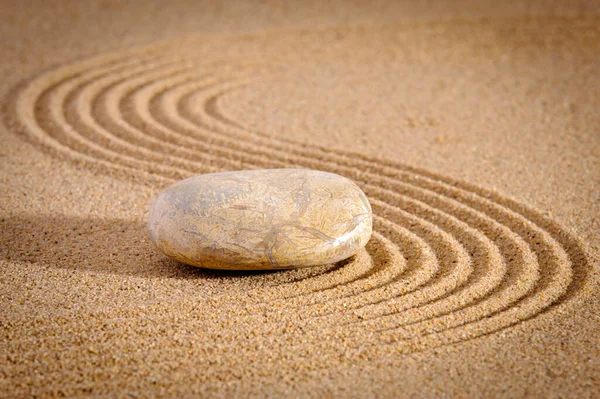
(112, 246)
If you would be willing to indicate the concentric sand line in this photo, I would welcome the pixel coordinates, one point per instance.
(447, 262)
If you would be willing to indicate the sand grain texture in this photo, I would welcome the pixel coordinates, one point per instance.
(471, 128)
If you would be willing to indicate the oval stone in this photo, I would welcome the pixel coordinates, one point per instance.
(261, 219)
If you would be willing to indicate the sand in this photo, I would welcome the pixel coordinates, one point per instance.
(472, 127)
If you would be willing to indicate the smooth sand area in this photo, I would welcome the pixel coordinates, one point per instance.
(473, 128)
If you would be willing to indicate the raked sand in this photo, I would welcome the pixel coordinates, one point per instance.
(472, 127)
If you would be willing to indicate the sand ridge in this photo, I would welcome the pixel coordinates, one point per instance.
(83, 105)
(449, 262)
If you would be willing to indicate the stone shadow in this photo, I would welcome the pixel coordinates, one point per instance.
(114, 246)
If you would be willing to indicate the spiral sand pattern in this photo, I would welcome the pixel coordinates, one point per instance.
(448, 261)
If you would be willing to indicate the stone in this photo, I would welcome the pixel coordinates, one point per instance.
(261, 219)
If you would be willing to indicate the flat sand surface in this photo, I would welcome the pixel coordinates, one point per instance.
(473, 128)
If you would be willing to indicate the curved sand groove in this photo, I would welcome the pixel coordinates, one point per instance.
(99, 116)
(317, 290)
(119, 103)
(139, 111)
(76, 136)
(489, 251)
(25, 118)
(325, 301)
(165, 110)
(448, 261)
(138, 122)
(422, 266)
(449, 270)
(85, 131)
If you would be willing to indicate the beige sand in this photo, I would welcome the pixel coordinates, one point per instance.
(472, 127)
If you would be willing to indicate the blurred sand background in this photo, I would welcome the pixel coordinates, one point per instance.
(473, 126)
